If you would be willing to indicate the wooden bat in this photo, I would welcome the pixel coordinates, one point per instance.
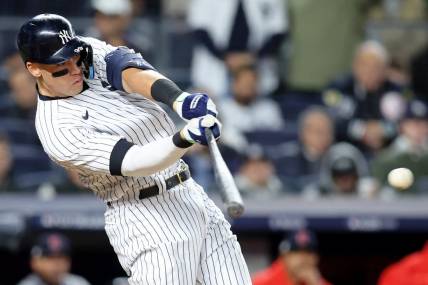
(229, 192)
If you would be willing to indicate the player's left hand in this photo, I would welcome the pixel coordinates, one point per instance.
(189, 106)
(194, 131)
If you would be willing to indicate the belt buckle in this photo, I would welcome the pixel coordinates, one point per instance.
(182, 168)
(179, 177)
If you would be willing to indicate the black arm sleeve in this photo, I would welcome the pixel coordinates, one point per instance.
(165, 91)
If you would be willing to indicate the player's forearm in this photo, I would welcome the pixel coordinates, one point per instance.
(140, 81)
(154, 85)
(151, 84)
(151, 158)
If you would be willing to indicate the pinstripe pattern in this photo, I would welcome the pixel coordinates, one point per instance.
(74, 142)
(177, 237)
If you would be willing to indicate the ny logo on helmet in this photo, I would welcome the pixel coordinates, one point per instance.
(65, 36)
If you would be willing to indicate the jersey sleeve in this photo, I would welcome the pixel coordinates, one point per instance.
(89, 150)
(100, 50)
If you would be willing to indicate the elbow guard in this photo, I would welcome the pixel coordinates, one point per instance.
(119, 60)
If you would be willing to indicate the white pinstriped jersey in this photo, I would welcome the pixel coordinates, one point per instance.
(80, 131)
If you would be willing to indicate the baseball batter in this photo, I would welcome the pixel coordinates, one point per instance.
(96, 114)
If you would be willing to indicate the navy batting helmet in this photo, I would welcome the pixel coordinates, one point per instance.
(50, 39)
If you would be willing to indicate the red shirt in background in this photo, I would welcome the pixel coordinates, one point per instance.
(276, 275)
(411, 270)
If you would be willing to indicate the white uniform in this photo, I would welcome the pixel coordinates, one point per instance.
(176, 237)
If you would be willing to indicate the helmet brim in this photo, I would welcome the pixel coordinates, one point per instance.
(70, 49)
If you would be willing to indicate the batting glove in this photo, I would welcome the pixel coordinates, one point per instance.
(189, 106)
(194, 131)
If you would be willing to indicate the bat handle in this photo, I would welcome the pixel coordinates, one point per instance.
(209, 135)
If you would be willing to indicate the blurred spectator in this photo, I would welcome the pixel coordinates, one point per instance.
(139, 7)
(175, 8)
(113, 24)
(411, 270)
(50, 262)
(302, 159)
(408, 17)
(366, 104)
(200, 163)
(246, 111)
(6, 166)
(13, 62)
(323, 35)
(397, 72)
(22, 96)
(409, 149)
(256, 176)
(344, 172)
(409, 10)
(297, 264)
(9, 64)
(249, 31)
(17, 113)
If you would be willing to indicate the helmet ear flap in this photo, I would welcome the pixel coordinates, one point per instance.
(86, 61)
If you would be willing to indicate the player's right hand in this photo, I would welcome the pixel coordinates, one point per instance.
(197, 105)
(194, 131)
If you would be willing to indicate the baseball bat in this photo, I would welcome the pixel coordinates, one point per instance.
(229, 192)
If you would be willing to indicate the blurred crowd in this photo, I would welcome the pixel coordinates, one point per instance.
(297, 262)
(317, 98)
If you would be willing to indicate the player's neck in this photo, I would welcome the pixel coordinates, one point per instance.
(44, 89)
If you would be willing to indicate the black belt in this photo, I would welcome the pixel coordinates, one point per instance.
(169, 182)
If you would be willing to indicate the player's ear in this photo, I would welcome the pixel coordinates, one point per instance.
(33, 69)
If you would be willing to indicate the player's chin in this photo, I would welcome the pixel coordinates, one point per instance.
(77, 87)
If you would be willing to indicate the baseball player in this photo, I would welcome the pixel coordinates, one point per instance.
(96, 114)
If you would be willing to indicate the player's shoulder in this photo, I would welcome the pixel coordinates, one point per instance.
(91, 40)
(95, 43)
(100, 48)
